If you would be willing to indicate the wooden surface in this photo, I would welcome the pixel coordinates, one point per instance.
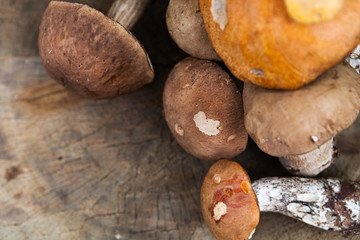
(72, 168)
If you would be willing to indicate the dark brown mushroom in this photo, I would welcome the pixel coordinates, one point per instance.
(90, 53)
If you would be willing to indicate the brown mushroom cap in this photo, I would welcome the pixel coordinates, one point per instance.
(91, 54)
(204, 111)
(260, 43)
(186, 27)
(228, 203)
(295, 122)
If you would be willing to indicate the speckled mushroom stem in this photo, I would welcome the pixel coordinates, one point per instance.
(127, 12)
(354, 59)
(311, 163)
(325, 203)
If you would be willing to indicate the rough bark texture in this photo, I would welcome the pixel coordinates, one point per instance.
(127, 12)
(73, 168)
(325, 203)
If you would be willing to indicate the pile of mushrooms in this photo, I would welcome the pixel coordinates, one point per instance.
(298, 126)
(297, 94)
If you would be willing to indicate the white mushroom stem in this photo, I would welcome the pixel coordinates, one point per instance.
(311, 163)
(325, 203)
(127, 12)
(354, 59)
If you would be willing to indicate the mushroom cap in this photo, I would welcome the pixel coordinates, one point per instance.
(240, 214)
(260, 43)
(186, 27)
(204, 111)
(295, 122)
(91, 54)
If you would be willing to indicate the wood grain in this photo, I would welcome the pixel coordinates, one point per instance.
(73, 168)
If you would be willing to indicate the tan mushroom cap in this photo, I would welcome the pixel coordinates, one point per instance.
(91, 54)
(295, 122)
(186, 27)
(260, 43)
(228, 202)
(204, 111)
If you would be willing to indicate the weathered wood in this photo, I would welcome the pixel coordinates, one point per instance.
(73, 168)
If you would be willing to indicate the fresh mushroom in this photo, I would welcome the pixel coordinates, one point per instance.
(90, 53)
(204, 111)
(231, 206)
(261, 44)
(186, 27)
(284, 123)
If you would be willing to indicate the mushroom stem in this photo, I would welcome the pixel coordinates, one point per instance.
(311, 163)
(354, 59)
(325, 203)
(127, 12)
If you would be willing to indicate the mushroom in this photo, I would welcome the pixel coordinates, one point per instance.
(90, 53)
(204, 111)
(284, 123)
(186, 27)
(261, 44)
(231, 206)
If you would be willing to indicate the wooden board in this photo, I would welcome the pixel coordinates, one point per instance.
(73, 168)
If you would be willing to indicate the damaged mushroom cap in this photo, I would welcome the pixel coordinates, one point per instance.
(186, 27)
(228, 202)
(91, 54)
(260, 43)
(311, 163)
(204, 111)
(295, 122)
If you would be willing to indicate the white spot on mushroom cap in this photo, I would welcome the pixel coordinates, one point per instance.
(231, 137)
(219, 210)
(216, 178)
(314, 138)
(179, 130)
(258, 72)
(252, 233)
(218, 11)
(207, 126)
